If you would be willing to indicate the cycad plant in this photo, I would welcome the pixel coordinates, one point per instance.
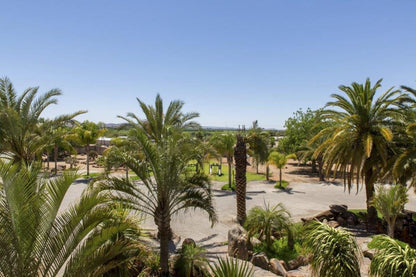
(230, 267)
(266, 220)
(390, 203)
(392, 258)
(335, 252)
(39, 238)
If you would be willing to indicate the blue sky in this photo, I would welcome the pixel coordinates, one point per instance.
(232, 61)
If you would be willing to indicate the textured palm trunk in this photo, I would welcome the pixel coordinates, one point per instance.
(240, 156)
(390, 228)
(230, 164)
(267, 172)
(165, 233)
(55, 157)
(369, 189)
(321, 169)
(280, 177)
(88, 159)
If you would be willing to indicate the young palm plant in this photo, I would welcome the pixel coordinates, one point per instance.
(192, 261)
(265, 221)
(392, 258)
(279, 160)
(169, 187)
(224, 145)
(38, 238)
(335, 252)
(390, 203)
(230, 267)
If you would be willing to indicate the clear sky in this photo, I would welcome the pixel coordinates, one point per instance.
(231, 61)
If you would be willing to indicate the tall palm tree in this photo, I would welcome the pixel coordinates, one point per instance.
(279, 160)
(158, 124)
(39, 238)
(20, 121)
(258, 144)
(86, 134)
(224, 145)
(267, 220)
(169, 186)
(335, 252)
(390, 203)
(392, 258)
(358, 140)
(240, 156)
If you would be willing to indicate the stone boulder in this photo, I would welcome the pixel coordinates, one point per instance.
(238, 246)
(338, 209)
(260, 260)
(328, 215)
(277, 267)
(333, 224)
(188, 241)
(299, 261)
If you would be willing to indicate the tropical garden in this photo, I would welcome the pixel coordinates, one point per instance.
(168, 164)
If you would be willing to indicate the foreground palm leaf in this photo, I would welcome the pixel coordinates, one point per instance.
(231, 268)
(335, 253)
(392, 258)
(37, 239)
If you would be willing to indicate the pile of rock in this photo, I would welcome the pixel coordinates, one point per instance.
(337, 215)
(241, 248)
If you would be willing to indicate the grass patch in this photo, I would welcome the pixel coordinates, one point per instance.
(280, 250)
(284, 184)
(92, 175)
(224, 174)
(361, 213)
(227, 187)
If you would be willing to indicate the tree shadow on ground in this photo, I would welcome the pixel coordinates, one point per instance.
(288, 191)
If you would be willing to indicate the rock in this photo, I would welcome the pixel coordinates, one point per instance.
(260, 260)
(188, 241)
(368, 254)
(295, 274)
(338, 209)
(341, 221)
(255, 241)
(328, 215)
(333, 224)
(299, 261)
(237, 243)
(352, 218)
(277, 267)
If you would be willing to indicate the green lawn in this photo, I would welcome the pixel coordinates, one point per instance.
(284, 184)
(224, 177)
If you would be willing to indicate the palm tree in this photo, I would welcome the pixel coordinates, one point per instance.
(224, 145)
(335, 252)
(258, 144)
(159, 124)
(265, 221)
(392, 258)
(279, 160)
(404, 168)
(21, 138)
(169, 186)
(86, 134)
(230, 267)
(390, 203)
(240, 156)
(39, 238)
(358, 140)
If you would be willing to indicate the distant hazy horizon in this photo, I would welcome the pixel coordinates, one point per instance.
(232, 61)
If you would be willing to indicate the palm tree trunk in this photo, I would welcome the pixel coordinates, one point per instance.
(369, 189)
(230, 163)
(240, 156)
(280, 177)
(314, 166)
(321, 170)
(55, 157)
(88, 159)
(47, 159)
(257, 166)
(390, 229)
(164, 232)
(267, 172)
(127, 173)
